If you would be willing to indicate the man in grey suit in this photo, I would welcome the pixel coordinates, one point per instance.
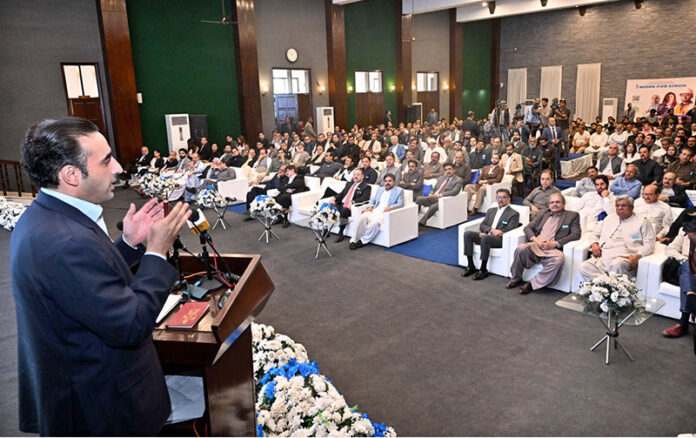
(547, 233)
(448, 185)
(498, 220)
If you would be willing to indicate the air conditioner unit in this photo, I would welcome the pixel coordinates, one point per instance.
(178, 130)
(325, 120)
(610, 106)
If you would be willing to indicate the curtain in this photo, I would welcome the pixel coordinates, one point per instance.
(587, 91)
(551, 82)
(517, 88)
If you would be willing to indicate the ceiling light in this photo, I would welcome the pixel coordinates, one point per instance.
(582, 10)
(638, 3)
(491, 7)
(543, 3)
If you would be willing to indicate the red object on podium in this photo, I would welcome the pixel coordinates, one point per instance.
(218, 348)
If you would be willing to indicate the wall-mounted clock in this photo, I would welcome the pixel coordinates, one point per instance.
(291, 54)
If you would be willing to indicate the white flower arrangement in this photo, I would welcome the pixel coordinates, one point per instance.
(10, 213)
(264, 206)
(324, 216)
(155, 185)
(210, 197)
(294, 399)
(612, 291)
(273, 350)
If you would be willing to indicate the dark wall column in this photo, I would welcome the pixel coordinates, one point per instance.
(495, 61)
(456, 60)
(403, 62)
(336, 52)
(118, 58)
(247, 68)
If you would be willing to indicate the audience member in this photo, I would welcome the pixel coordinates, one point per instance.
(387, 198)
(586, 184)
(538, 199)
(292, 183)
(627, 184)
(657, 212)
(412, 179)
(491, 174)
(598, 204)
(684, 169)
(610, 163)
(447, 185)
(389, 167)
(681, 249)
(620, 240)
(355, 193)
(671, 193)
(479, 158)
(649, 172)
(546, 235)
(498, 220)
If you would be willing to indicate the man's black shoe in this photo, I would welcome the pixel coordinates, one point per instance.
(469, 271)
(481, 275)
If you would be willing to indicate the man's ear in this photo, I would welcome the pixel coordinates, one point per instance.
(70, 176)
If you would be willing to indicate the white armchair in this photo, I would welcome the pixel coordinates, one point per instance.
(489, 200)
(302, 203)
(400, 225)
(500, 261)
(452, 210)
(654, 287)
(234, 188)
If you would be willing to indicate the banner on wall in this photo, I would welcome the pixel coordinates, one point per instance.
(661, 94)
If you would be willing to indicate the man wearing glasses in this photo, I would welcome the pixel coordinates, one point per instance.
(552, 228)
(498, 220)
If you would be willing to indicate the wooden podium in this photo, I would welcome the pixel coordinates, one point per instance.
(218, 348)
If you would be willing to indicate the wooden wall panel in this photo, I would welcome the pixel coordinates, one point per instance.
(403, 62)
(495, 61)
(125, 115)
(247, 68)
(336, 59)
(456, 59)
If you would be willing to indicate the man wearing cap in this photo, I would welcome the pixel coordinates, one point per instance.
(687, 103)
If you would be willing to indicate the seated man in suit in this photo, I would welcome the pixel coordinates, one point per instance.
(547, 234)
(274, 183)
(389, 167)
(291, 184)
(498, 221)
(586, 184)
(388, 198)
(619, 241)
(329, 168)
(412, 179)
(447, 185)
(355, 193)
(671, 193)
(370, 174)
(491, 174)
(610, 162)
(598, 204)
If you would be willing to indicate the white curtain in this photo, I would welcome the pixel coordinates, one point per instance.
(587, 91)
(551, 78)
(517, 87)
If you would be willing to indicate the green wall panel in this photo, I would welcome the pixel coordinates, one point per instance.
(371, 38)
(183, 66)
(476, 89)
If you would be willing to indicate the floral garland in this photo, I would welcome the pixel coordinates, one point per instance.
(10, 213)
(210, 197)
(324, 216)
(295, 399)
(155, 185)
(264, 206)
(612, 291)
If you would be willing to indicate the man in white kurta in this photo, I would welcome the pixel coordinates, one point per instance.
(386, 199)
(620, 240)
(657, 212)
(593, 204)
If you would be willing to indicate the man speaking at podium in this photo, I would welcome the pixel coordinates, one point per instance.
(87, 364)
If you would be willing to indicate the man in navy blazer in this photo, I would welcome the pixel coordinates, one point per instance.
(386, 199)
(87, 364)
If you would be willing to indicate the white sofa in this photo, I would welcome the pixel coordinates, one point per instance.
(452, 210)
(234, 188)
(654, 287)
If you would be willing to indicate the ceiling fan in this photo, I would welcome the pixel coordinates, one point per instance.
(224, 20)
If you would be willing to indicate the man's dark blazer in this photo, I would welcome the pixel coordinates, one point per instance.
(361, 194)
(206, 152)
(470, 125)
(371, 175)
(568, 230)
(679, 199)
(287, 189)
(144, 160)
(509, 220)
(87, 364)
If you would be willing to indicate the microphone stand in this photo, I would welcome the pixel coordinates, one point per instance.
(209, 282)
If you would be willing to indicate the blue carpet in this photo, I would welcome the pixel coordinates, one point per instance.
(239, 208)
(439, 246)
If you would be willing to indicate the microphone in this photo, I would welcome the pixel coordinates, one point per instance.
(198, 223)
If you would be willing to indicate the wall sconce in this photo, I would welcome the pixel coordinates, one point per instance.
(321, 89)
(392, 88)
(445, 87)
(350, 89)
(413, 87)
(264, 90)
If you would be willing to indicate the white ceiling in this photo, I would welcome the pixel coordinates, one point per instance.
(473, 10)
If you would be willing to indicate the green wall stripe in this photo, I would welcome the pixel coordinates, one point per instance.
(476, 89)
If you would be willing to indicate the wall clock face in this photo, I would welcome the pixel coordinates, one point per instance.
(291, 54)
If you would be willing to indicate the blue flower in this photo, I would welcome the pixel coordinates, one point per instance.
(259, 430)
(270, 391)
(380, 428)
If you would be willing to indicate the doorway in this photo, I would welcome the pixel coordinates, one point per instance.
(428, 89)
(81, 81)
(369, 97)
(291, 94)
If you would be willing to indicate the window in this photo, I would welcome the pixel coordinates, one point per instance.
(80, 80)
(368, 81)
(427, 81)
(289, 81)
